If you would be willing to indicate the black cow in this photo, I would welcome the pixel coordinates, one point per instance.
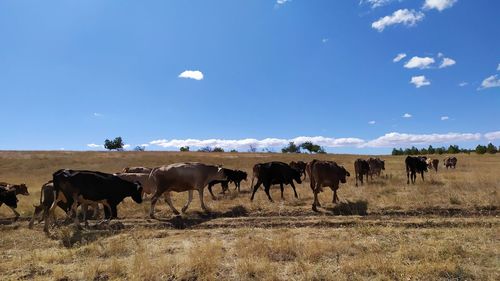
(361, 168)
(89, 186)
(415, 165)
(9, 198)
(275, 173)
(235, 176)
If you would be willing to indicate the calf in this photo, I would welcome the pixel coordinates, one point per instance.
(376, 166)
(275, 173)
(21, 189)
(9, 198)
(415, 165)
(361, 168)
(46, 201)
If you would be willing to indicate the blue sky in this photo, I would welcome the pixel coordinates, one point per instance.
(235, 73)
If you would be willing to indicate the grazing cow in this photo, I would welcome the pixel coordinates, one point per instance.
(21, 189)
(361, 168)
(142, 170)
(376, 166)
(88, 186)
(181, 177)
(415, 165)
(450, 162)
(301, 166)
(224, 184)
(147, 183)
(275, 173)
(325, 173)
(8, 197)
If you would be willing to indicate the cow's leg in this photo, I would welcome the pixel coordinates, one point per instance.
(257, 185)
(281, 188)
(114, 211)
(335, 197)
(95, 206)
(190, 199)
(210, 190)
(51, 212)
(85, 210)
(169, 202)
(74, 208)
(15, 213)
(294, 191)
(356, 176)
(202, 202)
(267, 187)
(422, 174)
(37, 211)
(155, 198)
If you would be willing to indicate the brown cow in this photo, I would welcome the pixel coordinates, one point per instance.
(181, 177)
(432, 163)
(325, 173)
(376, 166)
(450, 162)
(361, 168)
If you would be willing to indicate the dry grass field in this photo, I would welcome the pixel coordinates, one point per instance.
(446, 228)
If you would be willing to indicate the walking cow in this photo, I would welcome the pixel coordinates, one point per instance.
(274, 173)
(325, 173)
(415, 165)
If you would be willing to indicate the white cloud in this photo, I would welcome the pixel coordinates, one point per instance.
(447, 62)
(192, 74)
(372, 122)
(399, 57)
(126, 146)
(401, 139)
(440, 55)
(443, 118)
(402, 16)
(375, 3)
(97, 114)
(324, 40)
(492, 136)
(281, 2)
(419, 62)
(263, 143)
(407, 115)
(93, 145)
(420, 81)
(463, 84)
(439, 4)
(491, 82)
(498, 67)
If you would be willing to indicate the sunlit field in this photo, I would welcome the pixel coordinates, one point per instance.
(444, 228)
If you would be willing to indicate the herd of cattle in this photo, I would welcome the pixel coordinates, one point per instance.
(70, 189)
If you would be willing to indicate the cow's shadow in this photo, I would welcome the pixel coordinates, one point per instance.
(348, 208)
(195, 218)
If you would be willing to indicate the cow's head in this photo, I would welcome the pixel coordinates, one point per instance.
(221, 173)
(344, 174)
(137, 192)
(422, 165)
(21, 189)
(296, 175)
